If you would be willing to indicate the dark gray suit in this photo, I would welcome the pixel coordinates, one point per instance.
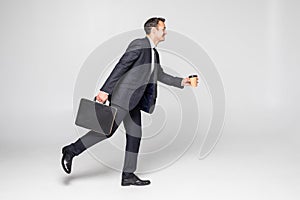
(132, 88)
(129, 79)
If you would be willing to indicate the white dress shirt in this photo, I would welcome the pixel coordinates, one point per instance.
(152, 53)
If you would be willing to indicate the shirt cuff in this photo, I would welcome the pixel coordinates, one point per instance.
(104, 92)
(182, 84)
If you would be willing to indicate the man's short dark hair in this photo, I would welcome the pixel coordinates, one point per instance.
(152, 22)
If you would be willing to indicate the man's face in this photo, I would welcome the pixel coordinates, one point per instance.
(160, 31)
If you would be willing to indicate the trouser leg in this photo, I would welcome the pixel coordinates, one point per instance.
(91, 138)
(132, 124)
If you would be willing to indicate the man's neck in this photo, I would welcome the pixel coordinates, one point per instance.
(153, 39)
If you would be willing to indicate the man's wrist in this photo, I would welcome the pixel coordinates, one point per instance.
(182, 82)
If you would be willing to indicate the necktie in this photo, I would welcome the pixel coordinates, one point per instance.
(156, 56)
(149, 97)
(156, 61)
(153, 85)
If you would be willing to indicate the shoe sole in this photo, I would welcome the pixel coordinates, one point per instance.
(128, 184)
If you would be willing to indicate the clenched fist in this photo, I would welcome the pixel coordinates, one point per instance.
(102, 97)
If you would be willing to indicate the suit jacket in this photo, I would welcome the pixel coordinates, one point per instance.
(131, 83)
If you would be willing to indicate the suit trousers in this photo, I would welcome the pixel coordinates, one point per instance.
(132, 124)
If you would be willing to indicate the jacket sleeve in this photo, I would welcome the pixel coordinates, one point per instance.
(125, 63)
(168, 79)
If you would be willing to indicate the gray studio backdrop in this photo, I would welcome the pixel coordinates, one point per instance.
(253, 44)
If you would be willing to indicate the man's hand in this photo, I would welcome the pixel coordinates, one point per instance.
(102, 97)
(186, 81)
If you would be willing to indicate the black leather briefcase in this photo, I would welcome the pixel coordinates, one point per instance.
(95, 116)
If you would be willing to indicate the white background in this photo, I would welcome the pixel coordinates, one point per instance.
(254, 45)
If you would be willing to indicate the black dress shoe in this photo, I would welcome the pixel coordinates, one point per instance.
(69, 152)
(132, 179)
(67, 159)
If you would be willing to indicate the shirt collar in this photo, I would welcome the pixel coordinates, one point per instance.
(151, 42)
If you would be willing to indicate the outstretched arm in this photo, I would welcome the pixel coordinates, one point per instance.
(168, 79)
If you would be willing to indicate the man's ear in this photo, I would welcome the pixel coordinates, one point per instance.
(153, 30)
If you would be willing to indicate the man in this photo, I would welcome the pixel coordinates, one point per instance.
(131, 88)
